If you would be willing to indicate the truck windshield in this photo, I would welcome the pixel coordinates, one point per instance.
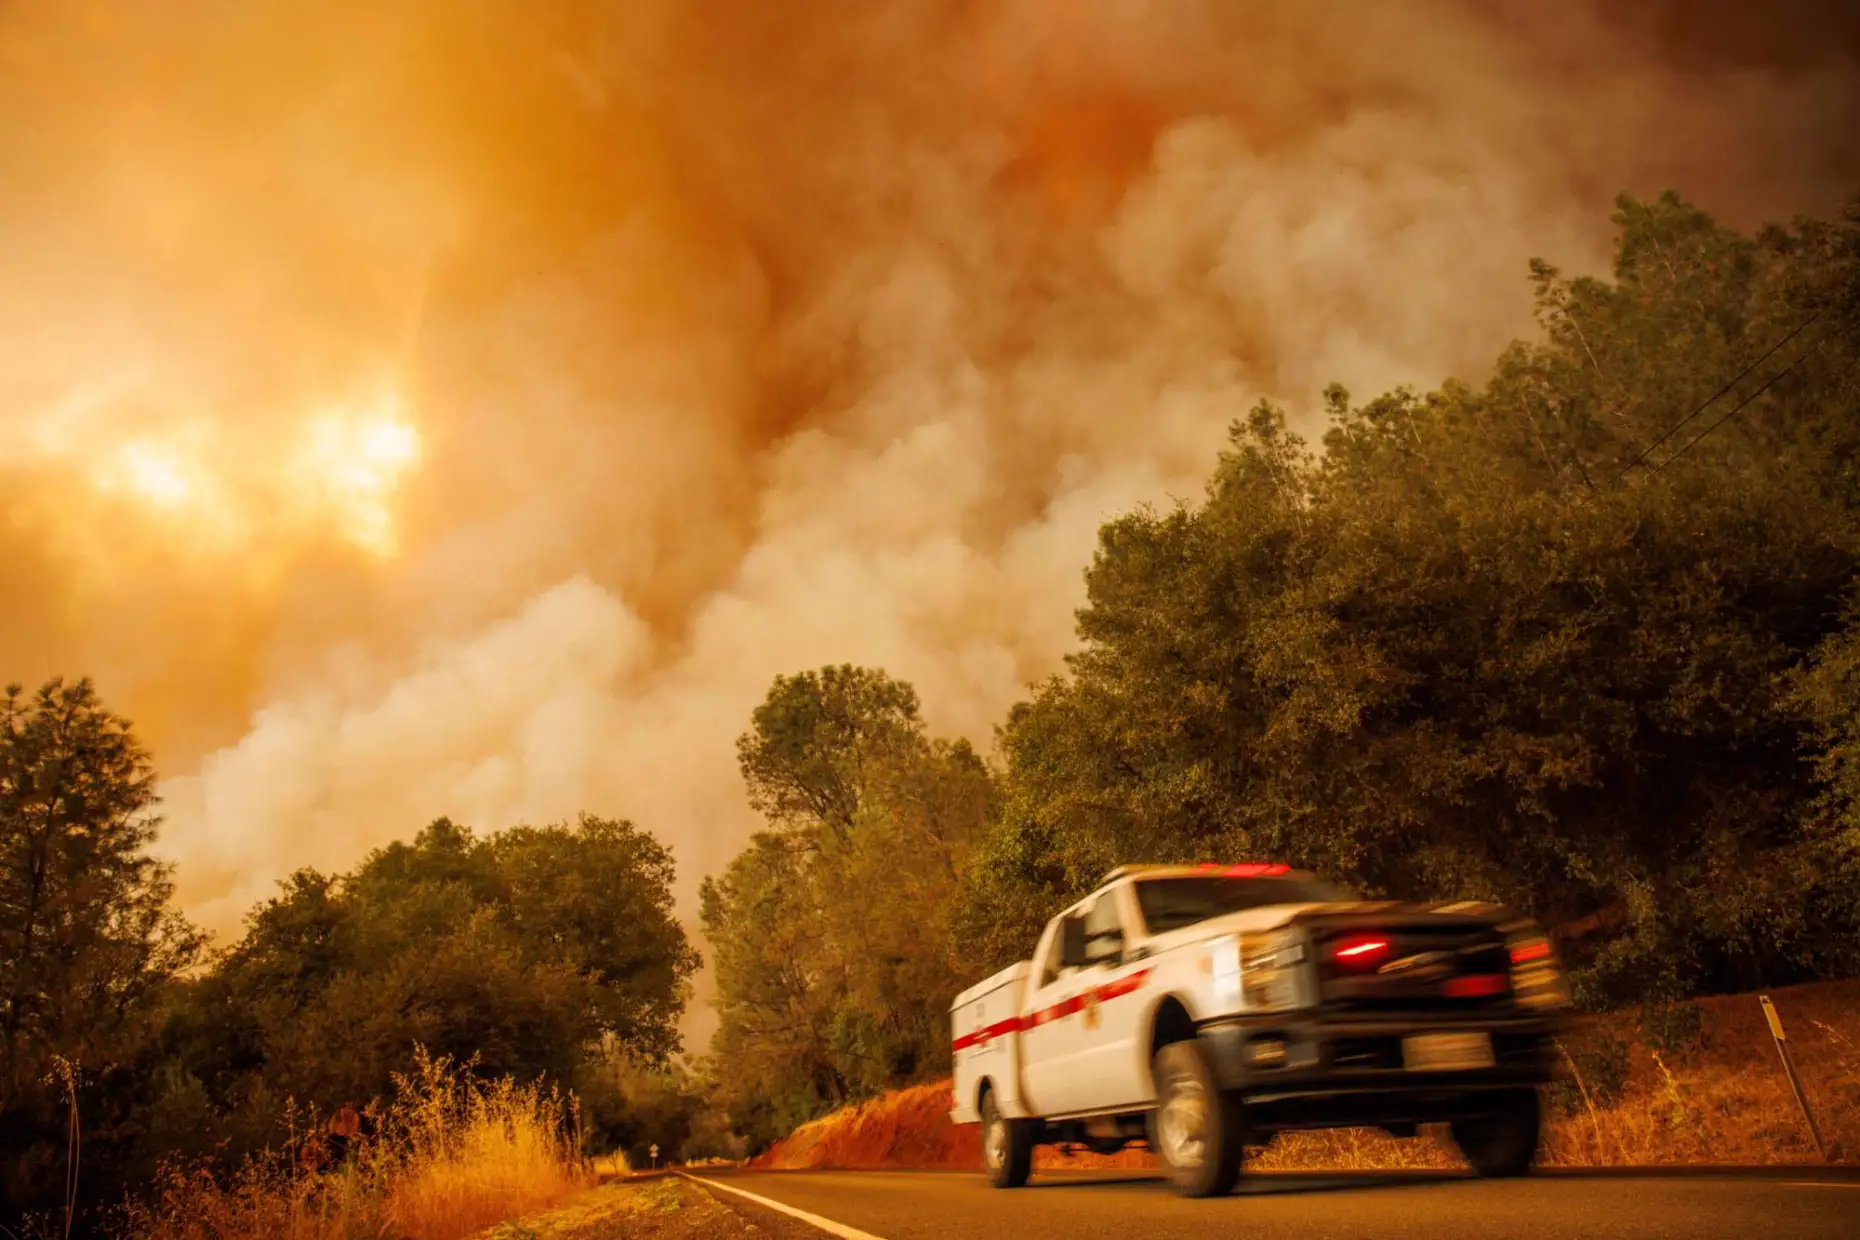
(1171, 903)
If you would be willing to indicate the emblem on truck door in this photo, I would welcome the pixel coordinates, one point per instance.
(1091, 1009)
(1422, 966)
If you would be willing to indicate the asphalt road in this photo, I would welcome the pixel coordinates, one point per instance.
(1776, 1204)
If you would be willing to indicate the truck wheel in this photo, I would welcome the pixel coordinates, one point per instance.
(1007, 1146)
(1503, 1144)
(1197, 1131)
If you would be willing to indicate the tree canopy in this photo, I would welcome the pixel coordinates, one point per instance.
(829, 933)
(1569, 639)
(520, 951)
(533, 952)
(89, 942)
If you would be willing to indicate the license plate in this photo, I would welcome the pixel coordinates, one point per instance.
(1442, 1052)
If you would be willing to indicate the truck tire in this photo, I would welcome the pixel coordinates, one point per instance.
(1198, 1132)
(1007, 1146)
(1503, 1144)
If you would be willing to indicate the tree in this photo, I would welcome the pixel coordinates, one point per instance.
(884, 893)
(598, 896)
(518, 952)
(1827, 692)
(1531, 641)
(831, 931)
(815, 739)
(778, 988)
(88, 940)
(631, 1107)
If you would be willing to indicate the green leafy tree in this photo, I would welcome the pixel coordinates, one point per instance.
(830, 933)
(1827, 692)
(1535, 640)
(885, 894)
(816, 739)
(519, 952)
(630, 1106)
(88, 940)
(778, 988)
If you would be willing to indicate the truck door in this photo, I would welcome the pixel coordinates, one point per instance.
(1046, 1028)
(1110, 1063)
(1083, 1020)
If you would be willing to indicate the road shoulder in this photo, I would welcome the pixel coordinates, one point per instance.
(660, 1207)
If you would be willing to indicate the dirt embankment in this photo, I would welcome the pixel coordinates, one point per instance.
(904, 1128)
(1702, 1085)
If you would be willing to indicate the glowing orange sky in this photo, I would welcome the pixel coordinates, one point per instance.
(468, 407)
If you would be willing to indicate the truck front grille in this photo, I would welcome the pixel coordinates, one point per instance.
(1431, 968)
(1382, 1052)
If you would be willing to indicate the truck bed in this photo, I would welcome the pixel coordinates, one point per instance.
(1012, 973)
(984, 1027)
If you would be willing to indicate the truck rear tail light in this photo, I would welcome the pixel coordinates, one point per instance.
(1535, 978)
(1359, 951)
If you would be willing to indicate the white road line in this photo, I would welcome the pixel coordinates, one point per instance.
(1820, 1184)
(825, 1224)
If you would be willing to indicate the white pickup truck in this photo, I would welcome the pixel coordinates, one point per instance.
(1202, 1009)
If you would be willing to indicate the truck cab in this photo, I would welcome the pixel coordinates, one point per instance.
(1199, 1009)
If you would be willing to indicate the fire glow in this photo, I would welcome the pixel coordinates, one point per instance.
(339, 480)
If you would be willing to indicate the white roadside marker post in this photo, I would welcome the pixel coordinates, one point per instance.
(1782, 1049)
(655, 1156)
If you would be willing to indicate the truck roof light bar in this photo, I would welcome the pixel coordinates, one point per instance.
(1245, 869)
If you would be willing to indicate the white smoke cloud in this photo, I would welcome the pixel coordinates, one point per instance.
(739, 339)
(497, 726)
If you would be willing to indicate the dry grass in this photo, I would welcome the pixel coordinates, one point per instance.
(448, 1157)
(1723, 1100)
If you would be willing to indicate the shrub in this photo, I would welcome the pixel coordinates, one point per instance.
(447, 1156)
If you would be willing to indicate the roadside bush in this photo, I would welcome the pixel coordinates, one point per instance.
(1598, 1066)
(447, 1156)
(1675, 1030)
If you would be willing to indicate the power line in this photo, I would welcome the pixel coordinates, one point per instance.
(1767, 384)
(1680, 425)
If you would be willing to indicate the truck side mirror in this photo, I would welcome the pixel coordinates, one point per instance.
(1072, 943)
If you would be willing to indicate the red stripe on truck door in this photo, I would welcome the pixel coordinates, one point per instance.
(987, 1033)
(1126, 985)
